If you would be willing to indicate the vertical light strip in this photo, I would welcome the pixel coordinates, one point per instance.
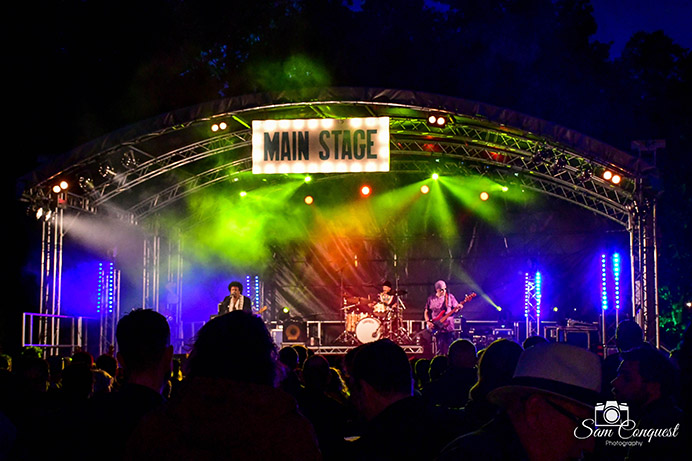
(604, 290)
(99, 292)
(257, 291)
(527, 291)
(538, 297)
(616, 277)
(111, 288)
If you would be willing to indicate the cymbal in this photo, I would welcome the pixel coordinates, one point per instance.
(356, 300)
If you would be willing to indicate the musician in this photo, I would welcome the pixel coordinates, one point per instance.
(387, 297)
(441, 302)
(235, 301)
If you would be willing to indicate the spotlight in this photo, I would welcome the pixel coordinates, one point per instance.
(309, 200)
(505, 188)
(308, 179)
(585, 174)
(39, 213)
(437, 120)
(57, 189)
(106, 170)
(86, 183)
(215, 128)
(435, 176)
(616, 179)
(64, 185)
(286, 310)
(223, 125)
(607, 175)
(424, 189)
(365, 191)
(243, 193)
(484, 196)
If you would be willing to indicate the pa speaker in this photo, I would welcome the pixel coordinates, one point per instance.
(295, 332)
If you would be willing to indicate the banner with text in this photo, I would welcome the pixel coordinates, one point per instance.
(351, 145)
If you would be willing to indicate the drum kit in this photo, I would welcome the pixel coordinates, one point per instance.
(368, 320)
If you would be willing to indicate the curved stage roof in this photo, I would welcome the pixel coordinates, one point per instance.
(143, 168)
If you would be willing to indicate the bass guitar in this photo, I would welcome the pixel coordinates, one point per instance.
(441, 318)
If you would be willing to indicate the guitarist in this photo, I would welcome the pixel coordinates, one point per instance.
(437, 305)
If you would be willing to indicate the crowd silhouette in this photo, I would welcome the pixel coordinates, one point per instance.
(236, 395)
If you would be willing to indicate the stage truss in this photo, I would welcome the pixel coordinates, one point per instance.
(134, 174)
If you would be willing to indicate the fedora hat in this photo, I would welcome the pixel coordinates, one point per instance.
(558, 369)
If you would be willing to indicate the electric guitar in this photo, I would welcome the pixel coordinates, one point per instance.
(441, 318)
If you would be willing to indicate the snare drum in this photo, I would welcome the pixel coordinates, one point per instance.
(352, 319)
(380, 310)
(368, 330)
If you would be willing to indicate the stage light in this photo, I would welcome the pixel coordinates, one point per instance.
(437, 120)
(365, 191)
(435, 176)
(309, 200)
(243, 193)
(308, 178)
(555, 309)
(219, 126)
(616, 179)
(424, 189)
(484, 196)
(86, 183)
(39, 213)
(585, 173)
(56, 189)
(286, 310)
(505, 188)
(607, 175)
(64, 185)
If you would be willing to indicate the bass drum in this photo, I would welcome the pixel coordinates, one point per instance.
(368, 330)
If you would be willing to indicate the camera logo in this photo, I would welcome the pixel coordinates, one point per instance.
(611, 414)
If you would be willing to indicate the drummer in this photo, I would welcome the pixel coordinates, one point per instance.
(386, 298)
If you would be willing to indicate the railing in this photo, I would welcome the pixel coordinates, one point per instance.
(47, 331)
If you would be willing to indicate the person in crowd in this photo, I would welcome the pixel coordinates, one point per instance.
(533, 340)
(145, 355)
(289, 372)
(496, 367)
(554, 388)
(228, 407)
(398, 424)
(451, 389)
(628, 335)
(421, 370)
(107, 363)
(328, 416)
(647, 382)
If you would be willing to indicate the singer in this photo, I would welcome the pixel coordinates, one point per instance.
(437, 305)
(235, 301)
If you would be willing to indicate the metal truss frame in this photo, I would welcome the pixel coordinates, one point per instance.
(467, 144)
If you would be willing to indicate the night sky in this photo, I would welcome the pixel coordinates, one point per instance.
(618, 19)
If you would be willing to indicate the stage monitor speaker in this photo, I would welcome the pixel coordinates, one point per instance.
(295, 331)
